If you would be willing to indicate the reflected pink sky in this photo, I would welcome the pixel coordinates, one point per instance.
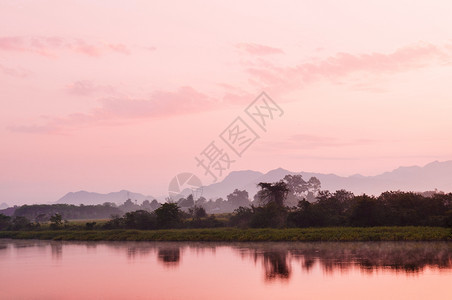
(114, 95)
(52, 270)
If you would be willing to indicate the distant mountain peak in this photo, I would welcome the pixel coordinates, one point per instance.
(92, 198)
(413, 178)
(356, 176)
(233, 173)
(280, 171)
(436, 163)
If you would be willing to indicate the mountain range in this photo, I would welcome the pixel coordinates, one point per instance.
(90, 198)
(433, 176)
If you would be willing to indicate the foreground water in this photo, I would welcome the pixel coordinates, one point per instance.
(32, 269)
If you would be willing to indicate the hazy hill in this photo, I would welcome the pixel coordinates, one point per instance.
(435, 175)
(83, 197)
(235, 179)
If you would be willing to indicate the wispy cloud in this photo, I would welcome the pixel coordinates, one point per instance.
(368, 87)
(114, 111)
(344, 64)
(150, 48)
(89, 88)
(308, 141)
(52, 46)
(315, 141)
(161, 103)
(256, 49)
(117, 109)
(14, 72)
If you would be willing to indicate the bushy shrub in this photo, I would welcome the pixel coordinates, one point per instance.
(140, 219)
(5, 222)
(209, 222)
(269, 215)
(169, 215)
(241, 217)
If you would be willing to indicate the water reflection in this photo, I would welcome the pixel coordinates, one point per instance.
(57, 250)
(397, 256)
(170, 270)
(133, 250)
(3, 250)
(277, 259)
(170, 257)
(276, 265)
(409, 258)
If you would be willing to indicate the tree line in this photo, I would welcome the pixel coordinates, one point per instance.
(290, 202)
(343, 208)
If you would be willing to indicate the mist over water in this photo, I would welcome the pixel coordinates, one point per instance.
(169, 270)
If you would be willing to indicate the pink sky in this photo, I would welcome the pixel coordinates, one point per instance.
(109, 95)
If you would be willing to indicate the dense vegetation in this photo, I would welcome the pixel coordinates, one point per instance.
(342, 208)
(338, 209)
(282, 204)
(339, 234)
(43, 212)
(389, 209)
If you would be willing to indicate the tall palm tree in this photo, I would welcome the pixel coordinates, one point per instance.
(273, 192)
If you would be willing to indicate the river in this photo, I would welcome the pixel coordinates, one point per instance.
(31, 269)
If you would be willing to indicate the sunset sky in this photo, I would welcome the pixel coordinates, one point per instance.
(110, 95)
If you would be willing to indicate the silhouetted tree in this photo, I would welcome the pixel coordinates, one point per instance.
(90, 225)
(366, 211)
(129, 206)
(154, 204)
(5, 222)
(42, 212)
(150, 206)
(201, 201)
(241, 217)
(116, 222)
(197, 212)
(169, 215)
(273, 192)
(269, 215)
(140, 219)
(22, 223)
(300, 189)
(238, 198)
(56, 221)
(186, 203)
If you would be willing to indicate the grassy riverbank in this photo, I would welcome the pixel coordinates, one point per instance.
(237, 235)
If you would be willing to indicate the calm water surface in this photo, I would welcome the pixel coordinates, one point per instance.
(142, 270)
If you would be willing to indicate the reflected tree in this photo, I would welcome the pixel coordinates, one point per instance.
(57, 250)
(169, 256)
(276, 265)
